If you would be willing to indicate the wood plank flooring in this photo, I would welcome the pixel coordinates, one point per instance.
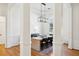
(65, 51)
(37, 53)
(13, 51)
(2, 50)
(69, 52)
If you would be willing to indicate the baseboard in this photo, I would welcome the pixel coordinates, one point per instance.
(12, 45)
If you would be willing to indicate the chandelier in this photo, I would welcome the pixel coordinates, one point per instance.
(43, 17)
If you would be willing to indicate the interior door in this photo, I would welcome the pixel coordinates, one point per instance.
(75, 11)
(2, 30)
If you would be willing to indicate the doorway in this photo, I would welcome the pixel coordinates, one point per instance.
(41, 29)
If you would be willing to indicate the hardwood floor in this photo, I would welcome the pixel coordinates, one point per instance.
(69, 52)
(37, 53)
(2, 50)
(65, 51)
(14, 51)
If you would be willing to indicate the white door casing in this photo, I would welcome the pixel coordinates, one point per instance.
(75, 29)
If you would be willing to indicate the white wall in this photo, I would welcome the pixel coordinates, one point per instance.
(15, 28)
(13, 24)
(3, 9)
(3, 13)
(44, 27)
(35, 25)
(25, 42)
(57, 22)
(15, 13)
(66, 31)
(75, 15)
(71, 29)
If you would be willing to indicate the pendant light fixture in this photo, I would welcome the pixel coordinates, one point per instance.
(42, 17)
